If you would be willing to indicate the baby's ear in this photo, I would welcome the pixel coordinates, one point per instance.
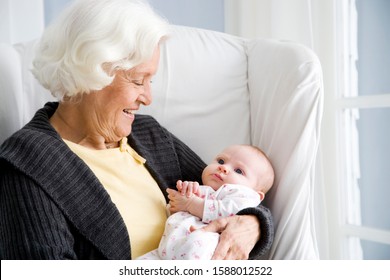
(262, 195)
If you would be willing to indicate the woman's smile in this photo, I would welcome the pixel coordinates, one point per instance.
(129, 113)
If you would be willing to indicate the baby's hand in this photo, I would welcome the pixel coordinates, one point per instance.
(178, 201)
(187, 188)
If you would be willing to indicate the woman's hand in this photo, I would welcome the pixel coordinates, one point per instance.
(238, 236)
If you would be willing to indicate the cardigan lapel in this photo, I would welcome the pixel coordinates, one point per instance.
(154, 144)
(38, 151)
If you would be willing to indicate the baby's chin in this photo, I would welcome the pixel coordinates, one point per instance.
(213, 185)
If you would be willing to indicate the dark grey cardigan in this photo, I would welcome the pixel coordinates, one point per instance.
(53, 207)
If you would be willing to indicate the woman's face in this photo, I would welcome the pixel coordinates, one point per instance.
(114, 106)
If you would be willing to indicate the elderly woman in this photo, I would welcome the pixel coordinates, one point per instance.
(86, 177)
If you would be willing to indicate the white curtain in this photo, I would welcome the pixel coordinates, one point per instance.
(20, 20)
(280, 19)
(311, 23)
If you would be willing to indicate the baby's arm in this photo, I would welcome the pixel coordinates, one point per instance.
(186, 199)
(229, 201)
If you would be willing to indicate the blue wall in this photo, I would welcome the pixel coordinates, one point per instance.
(198, 13)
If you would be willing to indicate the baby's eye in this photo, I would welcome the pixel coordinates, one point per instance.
(239, 171)
(221, 161)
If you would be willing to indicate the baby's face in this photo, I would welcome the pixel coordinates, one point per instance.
(235, 165)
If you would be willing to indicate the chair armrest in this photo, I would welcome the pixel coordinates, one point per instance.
(286, 93)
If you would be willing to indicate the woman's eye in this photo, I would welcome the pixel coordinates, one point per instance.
(221, 161)
(138, 83)
(239, 171)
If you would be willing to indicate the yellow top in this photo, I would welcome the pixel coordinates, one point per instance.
(133, 190)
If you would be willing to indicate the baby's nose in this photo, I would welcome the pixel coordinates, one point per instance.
(223, 169)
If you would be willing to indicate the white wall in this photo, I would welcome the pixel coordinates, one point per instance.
(20, 20)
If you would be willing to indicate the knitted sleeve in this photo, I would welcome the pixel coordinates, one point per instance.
(167, 158)
(266, 230)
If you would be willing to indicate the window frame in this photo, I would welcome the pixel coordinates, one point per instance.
(348, 230)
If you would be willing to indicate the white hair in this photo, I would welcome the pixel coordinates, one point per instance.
(81, 50)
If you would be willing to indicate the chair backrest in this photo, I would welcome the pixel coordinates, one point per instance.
(212, 90)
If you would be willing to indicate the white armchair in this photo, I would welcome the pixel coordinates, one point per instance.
(212, 90)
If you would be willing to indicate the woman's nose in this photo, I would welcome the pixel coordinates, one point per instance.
(146, 96)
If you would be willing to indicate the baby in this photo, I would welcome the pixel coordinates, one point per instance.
(236, 179)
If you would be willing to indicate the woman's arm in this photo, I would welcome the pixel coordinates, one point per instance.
(266, 225)
(249, 234)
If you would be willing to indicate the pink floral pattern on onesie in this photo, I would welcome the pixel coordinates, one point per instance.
(179, 243)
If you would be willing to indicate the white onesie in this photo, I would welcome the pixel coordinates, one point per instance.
(178, 243)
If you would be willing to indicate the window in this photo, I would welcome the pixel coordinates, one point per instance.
(362, 111)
